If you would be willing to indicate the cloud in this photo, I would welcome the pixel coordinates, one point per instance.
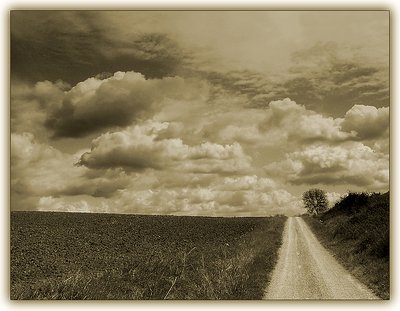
(350, 163)
(41, 170)
(119, 100)
(226, 122)
(218, 196)
(47, 45)
(139, 147)
(104, 102)
(248, 195)
(334, 197)
(325, 77)
(56, 204)
(185, 123)
(37, 168)
(249, 134)
(250, 182)
(169, 179)
(332, 78)
(82, 204)
(209, 201)
(369, 122)
(101, 183)
(29, 103)
(282, 121)
(287, 121)
(381, 145)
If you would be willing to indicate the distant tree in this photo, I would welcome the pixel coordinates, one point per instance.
(315, 201)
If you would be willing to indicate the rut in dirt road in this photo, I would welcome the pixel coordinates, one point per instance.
(306, 270)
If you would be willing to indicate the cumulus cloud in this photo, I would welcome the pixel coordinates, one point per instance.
(37, 168)
(139, 147)
(350, 163)
(368, 122)
(119, 100)
(27, 108)
(287, 120)
(227, 122)
(41, 170)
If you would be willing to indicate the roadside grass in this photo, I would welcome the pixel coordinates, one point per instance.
(356, 230)
(100, 256)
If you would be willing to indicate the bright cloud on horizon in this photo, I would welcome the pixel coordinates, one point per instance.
(148, 129)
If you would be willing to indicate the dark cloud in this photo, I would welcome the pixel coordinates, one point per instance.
(348, 72)
(332, 82)
(245, 82)
(96, 104)
(74, 45)
(319, 78)
(334, 88)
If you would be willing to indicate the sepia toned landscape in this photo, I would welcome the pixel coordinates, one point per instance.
(199, 155)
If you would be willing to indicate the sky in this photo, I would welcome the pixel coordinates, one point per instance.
(212, 113)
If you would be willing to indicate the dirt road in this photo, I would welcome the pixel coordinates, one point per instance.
(306, 270)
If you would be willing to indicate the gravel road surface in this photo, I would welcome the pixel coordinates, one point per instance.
(306, 270)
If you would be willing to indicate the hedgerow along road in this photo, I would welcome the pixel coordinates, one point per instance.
(306, 270)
